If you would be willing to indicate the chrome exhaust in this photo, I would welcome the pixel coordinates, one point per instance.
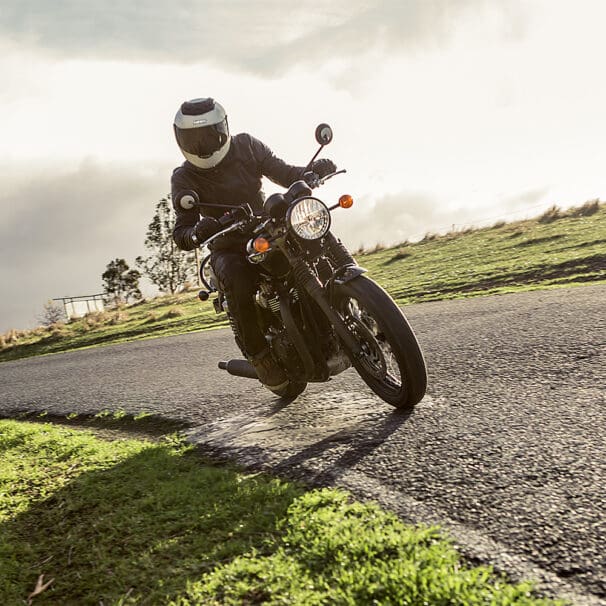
(239, 368)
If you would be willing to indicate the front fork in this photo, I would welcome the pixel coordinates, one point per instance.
(305, 277)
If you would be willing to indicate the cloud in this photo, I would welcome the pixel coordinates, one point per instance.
(526, 200)
(409, 215)
(262, 37)
(58, 232)
(391, 220)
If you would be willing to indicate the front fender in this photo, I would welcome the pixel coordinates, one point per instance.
(346, 273)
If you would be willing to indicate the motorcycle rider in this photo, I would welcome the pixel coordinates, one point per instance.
(226, 169)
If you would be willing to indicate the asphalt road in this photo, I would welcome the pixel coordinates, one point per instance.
(507, 451)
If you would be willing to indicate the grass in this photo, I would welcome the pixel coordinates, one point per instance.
(132, 521)
(559, 248)
(159, 317)
(556, 249)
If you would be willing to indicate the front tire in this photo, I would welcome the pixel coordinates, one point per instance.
(391, 363)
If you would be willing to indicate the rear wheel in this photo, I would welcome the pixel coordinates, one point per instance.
(391, 362)
(289, 391)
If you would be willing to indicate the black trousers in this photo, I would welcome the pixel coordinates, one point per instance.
(239, 279)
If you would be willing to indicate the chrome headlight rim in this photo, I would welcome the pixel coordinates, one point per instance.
(299, 224)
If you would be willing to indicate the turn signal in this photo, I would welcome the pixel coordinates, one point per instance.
(345, 201)
(261, 244)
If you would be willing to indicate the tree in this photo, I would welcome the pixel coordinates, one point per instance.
(167, 267)
(51, 312)
(121, 283)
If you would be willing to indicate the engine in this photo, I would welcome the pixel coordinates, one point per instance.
(285, 351)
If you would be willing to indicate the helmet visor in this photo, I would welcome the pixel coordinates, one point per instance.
(204, 140)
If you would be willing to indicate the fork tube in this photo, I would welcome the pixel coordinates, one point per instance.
(306, 278)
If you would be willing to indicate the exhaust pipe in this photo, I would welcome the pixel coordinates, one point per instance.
(239, 368)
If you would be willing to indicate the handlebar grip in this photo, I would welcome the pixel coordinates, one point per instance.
(226, 219)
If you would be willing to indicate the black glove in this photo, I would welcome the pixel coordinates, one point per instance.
(205, 228)
(323, 167)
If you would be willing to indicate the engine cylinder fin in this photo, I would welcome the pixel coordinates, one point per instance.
(274, 305)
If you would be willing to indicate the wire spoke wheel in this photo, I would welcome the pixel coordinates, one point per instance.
(390, 359)
(377, 356)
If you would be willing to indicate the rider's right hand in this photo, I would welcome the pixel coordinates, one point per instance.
(206, 227)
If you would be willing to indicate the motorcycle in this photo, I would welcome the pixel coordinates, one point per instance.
(319, 313)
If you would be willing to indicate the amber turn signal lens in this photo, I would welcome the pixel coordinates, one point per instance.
(261, 244)
(345, 201)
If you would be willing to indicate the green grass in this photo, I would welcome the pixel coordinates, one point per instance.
(159, 317)
(568, 250)
(555, 250)
(147, 522)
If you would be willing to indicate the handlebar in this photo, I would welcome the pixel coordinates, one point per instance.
(233, 227)
(313, 179)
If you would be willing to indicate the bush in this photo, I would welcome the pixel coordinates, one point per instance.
(95, 318)
(152, 317)
(174, 312)
(12, 337)
(51, 312)
(118, 317)
(57, 330)
(552, 214)
(589, 208)
(188, 285)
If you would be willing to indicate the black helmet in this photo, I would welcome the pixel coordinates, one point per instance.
(202, 132)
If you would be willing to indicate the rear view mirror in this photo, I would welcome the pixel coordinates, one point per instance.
(323, 134)
(187, 199)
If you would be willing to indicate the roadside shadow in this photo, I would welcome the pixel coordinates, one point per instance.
(353, 444)
(138, 530)
(137, 425)
(279, 404)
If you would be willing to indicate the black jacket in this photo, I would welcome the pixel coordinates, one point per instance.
(236, 180)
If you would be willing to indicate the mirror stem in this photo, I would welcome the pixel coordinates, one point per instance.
(312, 160)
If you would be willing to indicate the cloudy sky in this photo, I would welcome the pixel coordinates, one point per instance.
(444, 111)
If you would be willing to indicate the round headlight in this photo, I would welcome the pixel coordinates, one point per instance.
(309, 218)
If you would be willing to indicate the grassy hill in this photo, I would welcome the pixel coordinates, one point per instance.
(554, 250)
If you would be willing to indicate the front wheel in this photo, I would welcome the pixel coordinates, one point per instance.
(391, 362)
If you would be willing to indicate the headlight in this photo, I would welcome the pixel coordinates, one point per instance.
(309, 218)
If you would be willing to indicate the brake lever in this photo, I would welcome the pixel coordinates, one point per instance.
(314, 180)
(331, 175)
(227, 230)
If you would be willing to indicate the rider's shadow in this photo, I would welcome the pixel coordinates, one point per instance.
(358, 445)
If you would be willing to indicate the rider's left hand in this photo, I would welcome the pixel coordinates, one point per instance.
(323, 167)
